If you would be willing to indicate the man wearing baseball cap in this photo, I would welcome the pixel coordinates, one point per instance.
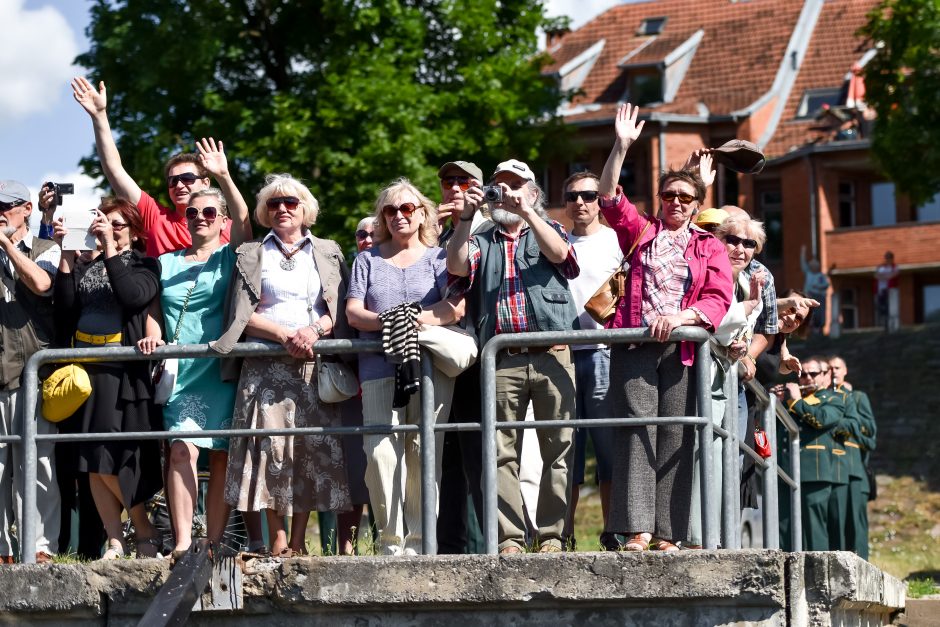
(456, 178)
(26, 325)
(516, 274)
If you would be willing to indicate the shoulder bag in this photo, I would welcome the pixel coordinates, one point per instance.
(603, 304)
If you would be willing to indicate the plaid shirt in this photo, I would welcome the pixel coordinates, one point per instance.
(666, 276)
(767, 319)
(513, 313)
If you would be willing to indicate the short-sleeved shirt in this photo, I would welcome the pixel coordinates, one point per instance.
(381, 286)
(166, 229)
(599, 256)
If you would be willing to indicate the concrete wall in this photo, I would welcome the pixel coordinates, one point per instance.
(743, 588)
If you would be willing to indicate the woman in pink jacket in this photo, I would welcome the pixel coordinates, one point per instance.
(679, 275)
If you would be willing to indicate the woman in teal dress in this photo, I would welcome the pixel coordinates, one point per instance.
(194, 282)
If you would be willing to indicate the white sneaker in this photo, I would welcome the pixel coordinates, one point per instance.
(409, 552)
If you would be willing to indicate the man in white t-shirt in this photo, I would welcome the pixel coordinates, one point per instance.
(599, 256)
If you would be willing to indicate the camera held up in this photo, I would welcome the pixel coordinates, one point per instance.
(59, 189)
(492, 193)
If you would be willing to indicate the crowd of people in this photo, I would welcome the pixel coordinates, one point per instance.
(486, 260)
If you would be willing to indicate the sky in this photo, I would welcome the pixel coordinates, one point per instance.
(43, 131)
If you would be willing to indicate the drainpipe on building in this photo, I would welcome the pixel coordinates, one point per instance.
(662, 148)
(813, 221)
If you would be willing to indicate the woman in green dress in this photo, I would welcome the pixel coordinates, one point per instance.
(194, 282)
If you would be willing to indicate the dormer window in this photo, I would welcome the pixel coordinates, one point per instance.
(651, 26)
(815, 99)
(645, 86)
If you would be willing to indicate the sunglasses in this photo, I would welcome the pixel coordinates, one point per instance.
(290, 202)
(406, 209)
(361, 234)
(463, 182)
(683, 197)
(734, 240)
(588, 196)
(186, 178)
(814, 374)
(208, 213)
(6, 206)
(118, 226)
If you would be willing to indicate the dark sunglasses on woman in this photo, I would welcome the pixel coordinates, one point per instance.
(208, 213)
(734, 240)
(290, 202)
(588, 196)
(406, 209)
(683, 197)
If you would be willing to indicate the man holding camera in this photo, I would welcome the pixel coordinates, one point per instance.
(26, 325)
(166, 227)
(516, 274)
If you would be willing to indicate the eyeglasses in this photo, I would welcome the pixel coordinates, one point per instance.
(588, 196)
(734, 240)
(463, 182)
(186, 178)
(814, 374)
(208, 213)
(406, 209)
(290, 202)
(683, 197)
(118, 226)
(6, 206)
(362, 234)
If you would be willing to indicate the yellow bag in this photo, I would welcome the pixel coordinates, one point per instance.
(64, 392)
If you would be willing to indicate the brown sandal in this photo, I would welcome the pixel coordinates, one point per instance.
(639, 542)
(664, 545)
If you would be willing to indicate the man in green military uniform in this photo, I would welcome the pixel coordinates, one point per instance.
(859, 442)
(818, 411)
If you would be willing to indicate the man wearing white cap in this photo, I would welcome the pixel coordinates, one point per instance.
(516, 273)
(26, 326)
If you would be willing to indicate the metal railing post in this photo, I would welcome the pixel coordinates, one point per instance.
(796, 510)
(428, 458)
(703, 376)
(770, 502)
(488, 433)
(29, 450)
(731, 475)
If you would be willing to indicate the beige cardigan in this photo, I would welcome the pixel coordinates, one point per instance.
(244, 294)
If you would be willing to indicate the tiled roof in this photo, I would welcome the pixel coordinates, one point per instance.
(734, 65)
(833, 48)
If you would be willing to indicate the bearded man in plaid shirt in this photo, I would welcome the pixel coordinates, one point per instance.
(515, 274)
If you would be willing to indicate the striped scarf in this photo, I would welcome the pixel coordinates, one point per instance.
(400, 343)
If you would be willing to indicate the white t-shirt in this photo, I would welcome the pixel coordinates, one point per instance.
(599, 256)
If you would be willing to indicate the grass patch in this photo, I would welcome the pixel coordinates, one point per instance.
(904, 527)
(921, 587)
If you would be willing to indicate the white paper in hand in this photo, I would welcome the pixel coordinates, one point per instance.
(78, 222)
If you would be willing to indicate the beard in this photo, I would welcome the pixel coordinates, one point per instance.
(505, 218)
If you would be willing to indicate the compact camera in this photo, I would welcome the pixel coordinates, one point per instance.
(492, 193)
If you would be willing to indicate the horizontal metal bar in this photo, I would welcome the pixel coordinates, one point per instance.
(594, 336)
(601, 422)
(223, 433)
(11, 439)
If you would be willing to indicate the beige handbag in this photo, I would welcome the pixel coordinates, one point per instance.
(452, 349)
(603, 304)
(336, 381)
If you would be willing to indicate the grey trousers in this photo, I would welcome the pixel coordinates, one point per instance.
(651, 490)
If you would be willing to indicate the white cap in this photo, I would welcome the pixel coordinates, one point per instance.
(516, 167)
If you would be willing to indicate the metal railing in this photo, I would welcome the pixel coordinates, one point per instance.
(427, 428)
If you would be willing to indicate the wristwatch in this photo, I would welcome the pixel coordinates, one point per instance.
(318, 329)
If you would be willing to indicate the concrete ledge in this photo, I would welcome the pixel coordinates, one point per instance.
(752, 587)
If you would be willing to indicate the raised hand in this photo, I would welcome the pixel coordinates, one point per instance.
(705, 169)
(94, 101)
(625, 125)
(758, 279)
(212, 157)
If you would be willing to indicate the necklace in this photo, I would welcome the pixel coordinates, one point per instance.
(288, 263)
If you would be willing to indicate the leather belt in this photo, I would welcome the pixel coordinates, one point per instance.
(89, 338)
(518, 350)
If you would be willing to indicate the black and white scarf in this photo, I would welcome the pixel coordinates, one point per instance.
(400, 343)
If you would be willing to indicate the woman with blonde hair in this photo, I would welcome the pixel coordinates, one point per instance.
(403, 267)
(286, 292)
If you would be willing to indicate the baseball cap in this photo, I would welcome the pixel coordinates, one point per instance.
(711, 216)
(12, 191)
(740, 155)
(465, 166)
(516, 167)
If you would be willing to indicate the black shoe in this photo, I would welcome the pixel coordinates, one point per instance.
(610, 542)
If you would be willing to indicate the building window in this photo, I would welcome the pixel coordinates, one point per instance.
(628, 179)
(644, 87)
(848, 308)
(929, 211)
(651, 26)
(771, 205)
(814, 99)
(883, 209)
(931, 300)
(846, 203)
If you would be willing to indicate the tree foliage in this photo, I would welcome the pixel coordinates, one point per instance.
(347, 95)
(903, 85)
